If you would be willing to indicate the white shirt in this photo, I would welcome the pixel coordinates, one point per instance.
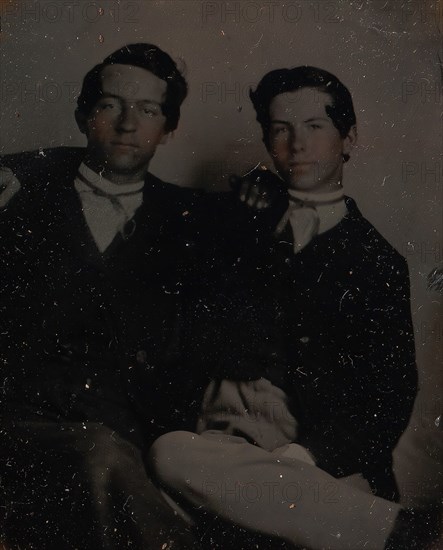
(310, 214)
(329, 214)
(107, 206)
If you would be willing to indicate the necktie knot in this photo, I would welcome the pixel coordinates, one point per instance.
(303, 216)
(304, 220)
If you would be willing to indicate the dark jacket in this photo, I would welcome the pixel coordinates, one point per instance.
(86, 336)
(331, 326)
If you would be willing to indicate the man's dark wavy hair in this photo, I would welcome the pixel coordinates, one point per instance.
(289, 80)
(146, 56)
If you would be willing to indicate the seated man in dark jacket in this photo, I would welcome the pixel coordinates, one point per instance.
(310, 343)
(94, 251)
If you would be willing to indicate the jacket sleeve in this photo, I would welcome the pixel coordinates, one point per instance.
(378, 355)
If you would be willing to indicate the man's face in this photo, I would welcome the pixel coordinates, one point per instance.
(126, 125)
(306, 147)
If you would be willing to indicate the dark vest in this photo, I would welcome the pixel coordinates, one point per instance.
(87, 336)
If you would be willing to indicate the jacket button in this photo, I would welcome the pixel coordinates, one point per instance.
(304, 339)
(141, 357)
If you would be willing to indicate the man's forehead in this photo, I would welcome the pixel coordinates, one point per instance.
(132, 82)
(304, 103)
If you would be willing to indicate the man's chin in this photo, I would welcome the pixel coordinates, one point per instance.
(124, 172)
(121, 167)
(125, 164)
(301, 184)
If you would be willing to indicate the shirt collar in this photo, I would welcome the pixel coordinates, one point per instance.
(330, 207)
(107, 187)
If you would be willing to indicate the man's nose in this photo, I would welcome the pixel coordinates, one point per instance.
(297, 138)
(127, 120)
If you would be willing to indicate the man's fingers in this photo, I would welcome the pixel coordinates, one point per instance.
(259, 199)
(252, 195)
(245, 190)
(9, 186)
(255, 195)
(261, 204)
(259, 188)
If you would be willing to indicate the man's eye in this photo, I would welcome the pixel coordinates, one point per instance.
(279, 130)
(149, 112)
(105, 106)
(315, 126)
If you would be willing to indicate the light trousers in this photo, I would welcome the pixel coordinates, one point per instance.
(268, 492)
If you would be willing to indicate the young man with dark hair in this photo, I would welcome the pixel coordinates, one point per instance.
(145, 56)
(311, 348)
(94, 252)
(340, 108)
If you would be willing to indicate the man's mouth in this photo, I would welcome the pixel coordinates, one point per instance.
(124, 146)
(298, 166)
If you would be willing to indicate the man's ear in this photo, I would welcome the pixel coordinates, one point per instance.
(82, 121)
(166, 137)
(350, 140)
